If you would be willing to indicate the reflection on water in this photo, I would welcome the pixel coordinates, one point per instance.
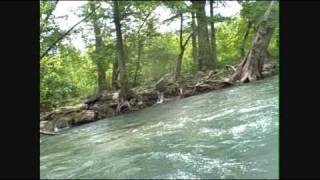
(230, 133)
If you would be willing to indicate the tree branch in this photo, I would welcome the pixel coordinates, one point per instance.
(267, 14)
(66, 33)
(144, 20)
(181, 28)
(186, 42)
(48, 15)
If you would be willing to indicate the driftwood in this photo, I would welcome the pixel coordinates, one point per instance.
(47, 115)
(160, 84)
(47, 132)
(94, 98)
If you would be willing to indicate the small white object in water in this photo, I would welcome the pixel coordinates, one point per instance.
(160, 98)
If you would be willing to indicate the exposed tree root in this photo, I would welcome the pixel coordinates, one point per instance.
(231, 67)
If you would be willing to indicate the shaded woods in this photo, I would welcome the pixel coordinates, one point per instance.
(129, 64)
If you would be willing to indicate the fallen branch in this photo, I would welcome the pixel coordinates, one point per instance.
(211, 75)
(44, 117)
(47, 132)
(94, 98)
(233, 68)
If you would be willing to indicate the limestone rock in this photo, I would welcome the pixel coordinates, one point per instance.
(85, 117)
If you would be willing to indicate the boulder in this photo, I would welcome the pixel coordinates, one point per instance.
(62, 122)
(46, 126)
(85, 117)
(103, 110)
(171, 89)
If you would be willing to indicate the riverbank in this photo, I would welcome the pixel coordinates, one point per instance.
(166, 89)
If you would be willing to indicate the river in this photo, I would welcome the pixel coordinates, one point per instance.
(231, 133)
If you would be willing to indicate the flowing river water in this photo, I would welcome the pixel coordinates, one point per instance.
(230, 133)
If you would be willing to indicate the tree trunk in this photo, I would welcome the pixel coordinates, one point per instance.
(180, 57)
(242, 49)
(213, 34)
(179, 60)
(99, 51)
(205, 57)
(182, 48)
(179, 63)
(194, 40)
(250, 69)
(115, 73)
(120, 52)
(140, 46)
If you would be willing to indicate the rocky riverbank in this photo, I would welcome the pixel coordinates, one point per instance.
(166, 89)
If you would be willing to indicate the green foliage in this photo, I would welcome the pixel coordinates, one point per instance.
(160, 56)
(67, 75)
(64, 77)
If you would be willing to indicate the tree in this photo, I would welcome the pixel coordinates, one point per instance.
(115, 73)
(49, 30)
(121, 56)
(194, 37)
(213, 33)
(63, 35)
(99, 59)
(179, 8)
(182, 47)
(205, 55)
(251, 13)
(144, 31)
(250, 69)
(46, 10)
(125, 48)
(245, 37)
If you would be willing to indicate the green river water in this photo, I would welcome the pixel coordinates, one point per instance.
(230, 133)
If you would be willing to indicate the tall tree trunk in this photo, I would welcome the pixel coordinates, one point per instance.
(179, 63)
(194, 40)
(242, 48)
(205, 57)
(120, 52)
(99, 50)
(140, 46)
(250, 69)
(179, 60)
(213, 34)
(182, 48)
(115, 73)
